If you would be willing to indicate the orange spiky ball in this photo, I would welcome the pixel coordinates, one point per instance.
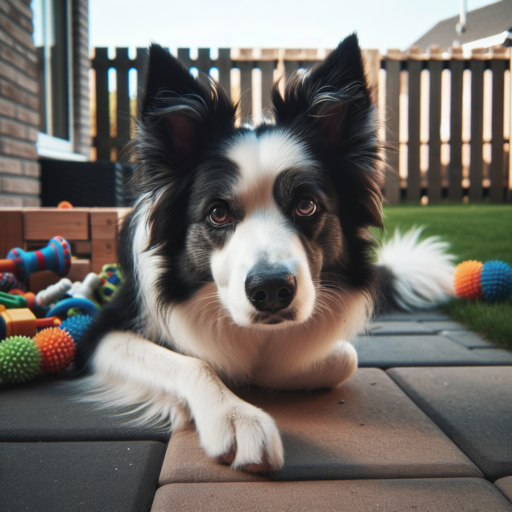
(57, 348)
(466, 279)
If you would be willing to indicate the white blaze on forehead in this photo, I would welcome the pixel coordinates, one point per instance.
(260, 159)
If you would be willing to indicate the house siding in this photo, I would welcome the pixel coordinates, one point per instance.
(19, 116)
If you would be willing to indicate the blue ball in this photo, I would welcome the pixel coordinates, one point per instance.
(76, 326)
(496, 281)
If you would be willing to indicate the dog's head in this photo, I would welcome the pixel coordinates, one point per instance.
(275, 215)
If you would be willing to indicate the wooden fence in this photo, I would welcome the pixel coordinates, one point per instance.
(446, 118)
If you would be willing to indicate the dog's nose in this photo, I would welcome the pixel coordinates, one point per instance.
(270, 287)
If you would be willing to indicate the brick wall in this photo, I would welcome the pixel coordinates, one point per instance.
(81, 65)
(19, 117)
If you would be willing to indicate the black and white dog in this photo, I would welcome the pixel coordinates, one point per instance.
(248, 257)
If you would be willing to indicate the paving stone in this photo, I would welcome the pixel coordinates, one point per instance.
(494, 355)
(432, 315)
(467, 338)
(381, 328)
(45, 410)
(378, 432)
(390, 351)
(473, 406)
(505, 486)
(445, 325)
(423, 495)
(97, 477)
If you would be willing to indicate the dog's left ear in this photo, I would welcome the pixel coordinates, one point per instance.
(333, 96)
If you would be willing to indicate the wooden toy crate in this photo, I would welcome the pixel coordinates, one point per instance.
(92, 233)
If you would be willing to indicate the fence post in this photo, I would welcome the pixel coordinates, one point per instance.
(498, 91)
(102, 142)
(140, 65)
(203, 62)
(392, 178)
(245, 67)
(434, 140)
(455, 167)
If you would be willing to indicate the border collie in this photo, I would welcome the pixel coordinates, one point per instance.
(248, 259)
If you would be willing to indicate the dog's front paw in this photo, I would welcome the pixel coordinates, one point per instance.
(245, 437)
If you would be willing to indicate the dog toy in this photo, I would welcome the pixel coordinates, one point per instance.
(62, 307)
(496, 281)
(55, 256)
(64, 205)
(8, 281)
(76, 326)
(466, 279)
(53, 293)
(85, 289)
(13, 301)
(22, 322)
(57, 349)
(474, 280)
(111, 278)
(20, 359)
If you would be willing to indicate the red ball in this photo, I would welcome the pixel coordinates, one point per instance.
(57, 348)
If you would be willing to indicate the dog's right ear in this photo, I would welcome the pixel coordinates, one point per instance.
(176, 112)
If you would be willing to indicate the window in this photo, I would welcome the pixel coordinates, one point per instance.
(52, 40)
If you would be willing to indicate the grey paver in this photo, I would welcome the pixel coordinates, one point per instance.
(446, 325)
(64, 477)
(432, 315)
(505, 486)
(380, 328)
(354, 495)
(420, 350)
(47, 411)
(494, 355)
(378, 432)
(467, 338)
(472, 405)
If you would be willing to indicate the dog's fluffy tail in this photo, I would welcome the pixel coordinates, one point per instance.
(415, 274)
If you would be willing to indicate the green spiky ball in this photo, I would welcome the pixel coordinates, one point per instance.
(20, 359)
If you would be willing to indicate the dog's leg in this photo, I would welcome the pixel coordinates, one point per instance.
(330, 372)
(228, 427)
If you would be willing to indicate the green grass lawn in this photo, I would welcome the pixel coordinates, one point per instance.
(478, 232)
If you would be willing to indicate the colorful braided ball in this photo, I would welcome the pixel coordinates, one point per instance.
(57, 348)
(496, 281)
(20, 359)
(466, 279)
(76, 326)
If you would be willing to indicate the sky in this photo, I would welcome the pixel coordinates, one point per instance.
(380, 24)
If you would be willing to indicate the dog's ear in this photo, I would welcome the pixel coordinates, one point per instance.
(333, 96)
(177, 111)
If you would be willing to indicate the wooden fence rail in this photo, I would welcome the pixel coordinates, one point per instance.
(446, 117)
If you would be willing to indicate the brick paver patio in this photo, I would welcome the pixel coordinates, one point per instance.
(425, 424)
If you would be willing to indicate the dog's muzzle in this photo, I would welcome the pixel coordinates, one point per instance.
(269, 287)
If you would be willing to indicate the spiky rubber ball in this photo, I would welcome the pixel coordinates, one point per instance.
(76, 326)
(57, 348)
(466, 279)
(496, 281)
(20, 359)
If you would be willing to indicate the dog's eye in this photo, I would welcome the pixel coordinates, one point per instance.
(306, 207)
(219, 216)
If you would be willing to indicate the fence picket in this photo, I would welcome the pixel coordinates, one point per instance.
(102, 142)
(455, 167)
(413, 154)
(224, 66)
(434, 139)
(122, 64)
(245, 68)
(477, 68)
(392, 178)
(267, 79)
(498, 92)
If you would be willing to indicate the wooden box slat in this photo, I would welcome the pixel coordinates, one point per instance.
(44, 224)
